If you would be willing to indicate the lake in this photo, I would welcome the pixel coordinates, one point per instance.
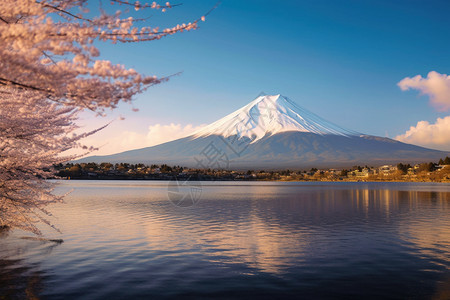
(239, 240)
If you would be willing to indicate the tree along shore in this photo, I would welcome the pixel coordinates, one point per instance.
(425, 172)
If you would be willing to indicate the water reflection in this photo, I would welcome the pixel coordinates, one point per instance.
(255, 236)
(19, 277)
(272, 233)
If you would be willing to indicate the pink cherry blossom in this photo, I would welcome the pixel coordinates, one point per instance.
(49, 72)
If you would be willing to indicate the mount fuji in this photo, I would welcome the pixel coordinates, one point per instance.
(272, 132)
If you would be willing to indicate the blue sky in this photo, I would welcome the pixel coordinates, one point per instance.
(340, 59)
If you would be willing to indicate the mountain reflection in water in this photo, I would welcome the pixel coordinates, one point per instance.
(241, 240)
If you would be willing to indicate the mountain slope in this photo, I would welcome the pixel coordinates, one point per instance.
(273, 132)
(269, 115)
(282, 150)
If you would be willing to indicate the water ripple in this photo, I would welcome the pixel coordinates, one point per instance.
(242, 240)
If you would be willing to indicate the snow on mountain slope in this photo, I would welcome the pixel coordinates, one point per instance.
(268, 115)
(274, 133)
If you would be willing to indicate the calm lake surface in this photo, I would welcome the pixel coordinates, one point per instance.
(241, 240)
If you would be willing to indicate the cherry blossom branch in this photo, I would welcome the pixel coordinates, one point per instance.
(50, 72)
(136, 4)
(63, 11)
(3, 20)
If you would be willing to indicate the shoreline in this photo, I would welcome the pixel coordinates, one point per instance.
(252, 180)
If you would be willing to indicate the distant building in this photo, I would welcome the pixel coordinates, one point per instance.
(442, 167)
(364, 173)
(387, 169)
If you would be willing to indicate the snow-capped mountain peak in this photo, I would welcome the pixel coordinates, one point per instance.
(268, 115)
(274, 133)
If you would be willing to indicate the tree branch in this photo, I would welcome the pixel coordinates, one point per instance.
(1, 19)
(63, 11)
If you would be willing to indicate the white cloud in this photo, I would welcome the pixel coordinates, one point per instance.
(436, 86)
(436, 136)
(114, 138)
(158, 133)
